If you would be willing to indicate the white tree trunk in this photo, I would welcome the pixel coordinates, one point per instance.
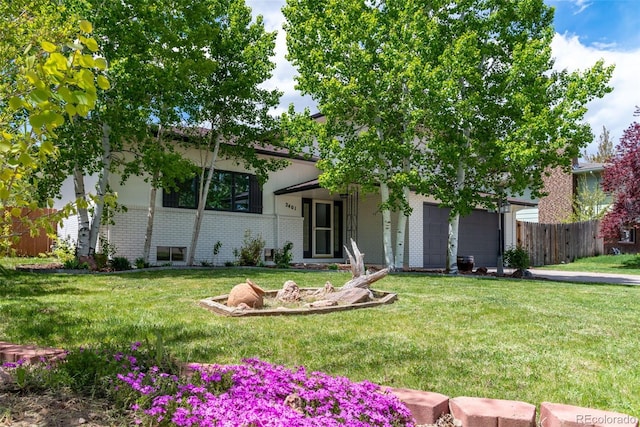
(204, 191)
(82, 242)
(151, 211)
(386, 228)
(96, 222)
(400, 234)
(452, 244)
(454, 221)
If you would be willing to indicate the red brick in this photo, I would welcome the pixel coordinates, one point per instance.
(426, 407)
(29, 353)
(558, 415)
(481, 412)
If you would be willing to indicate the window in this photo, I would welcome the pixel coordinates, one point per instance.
(171, 253)
(628, 235)
(229, 191)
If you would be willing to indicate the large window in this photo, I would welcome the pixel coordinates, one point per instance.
(229, 191)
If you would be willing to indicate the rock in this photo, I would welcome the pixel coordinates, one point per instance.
(248, 293)
(522, 274)
(350, 296)
(294, 402)
(321, 303)
(482, 270)
(327, 289)
(290, 292)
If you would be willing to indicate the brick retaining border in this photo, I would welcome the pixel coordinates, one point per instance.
(426, 407)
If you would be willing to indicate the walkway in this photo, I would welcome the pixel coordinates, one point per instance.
(586, 277)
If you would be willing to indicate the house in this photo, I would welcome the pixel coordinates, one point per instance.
(562, 188)
(290, 206)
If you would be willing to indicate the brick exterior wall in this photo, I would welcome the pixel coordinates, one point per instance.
(557, 205)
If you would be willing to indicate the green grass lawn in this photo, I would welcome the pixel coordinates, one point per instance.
(461, 336)
(622, 264)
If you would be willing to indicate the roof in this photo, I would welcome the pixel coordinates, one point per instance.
(308, 185)
(588, 167)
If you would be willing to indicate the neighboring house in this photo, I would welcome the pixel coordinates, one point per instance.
(562, 188)
(290, 206)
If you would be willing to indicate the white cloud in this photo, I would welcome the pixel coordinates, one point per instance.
(614, 110)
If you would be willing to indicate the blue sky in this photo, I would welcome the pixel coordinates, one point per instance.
(607, 24)
(586, 31)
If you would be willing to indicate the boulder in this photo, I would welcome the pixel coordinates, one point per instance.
(290, 292)
(246, 293)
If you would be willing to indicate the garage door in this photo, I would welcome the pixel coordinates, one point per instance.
(478, 237)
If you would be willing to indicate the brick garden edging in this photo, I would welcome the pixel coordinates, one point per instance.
(426, 407)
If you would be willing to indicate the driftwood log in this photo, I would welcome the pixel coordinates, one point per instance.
(359, 277)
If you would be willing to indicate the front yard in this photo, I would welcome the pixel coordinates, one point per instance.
(460, 336)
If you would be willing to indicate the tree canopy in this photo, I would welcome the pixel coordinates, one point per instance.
(621, 179)
(456, 100)
(51, 73)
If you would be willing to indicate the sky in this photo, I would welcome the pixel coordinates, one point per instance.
(586, 31)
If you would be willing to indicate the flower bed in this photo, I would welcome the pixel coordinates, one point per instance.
(252, 394)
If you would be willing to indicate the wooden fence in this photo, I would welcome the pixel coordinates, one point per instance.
(29, 245)
(557, 243)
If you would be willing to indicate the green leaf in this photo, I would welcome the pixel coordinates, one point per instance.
(103, 82)
(5, 145)
(71, 110)
(91, 44)
(16, 103)
(86, 26)
(48, 46)
(47, 147)
(40, 95)
(86, 61)
(101, 63)
(25, 160)
(37, 121)
(65, 93)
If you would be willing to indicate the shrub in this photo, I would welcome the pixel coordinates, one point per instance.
(140, 263)
(282, 257)
(251, 251)
(120, 264)
(64, 250)
(74, 264)
(516, 257)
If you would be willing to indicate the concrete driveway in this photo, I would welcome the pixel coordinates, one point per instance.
(584, 277)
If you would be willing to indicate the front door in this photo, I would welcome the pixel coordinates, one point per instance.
(322, 237)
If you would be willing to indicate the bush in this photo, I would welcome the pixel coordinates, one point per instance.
(139, 263)
(251, 251)
(282, 257)
(516, 257)
(120, 264)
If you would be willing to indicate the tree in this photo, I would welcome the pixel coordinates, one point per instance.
(230, 59)
(605, 149)
(454, 100)
(621, 179)
(589, 202)
(42, 88)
